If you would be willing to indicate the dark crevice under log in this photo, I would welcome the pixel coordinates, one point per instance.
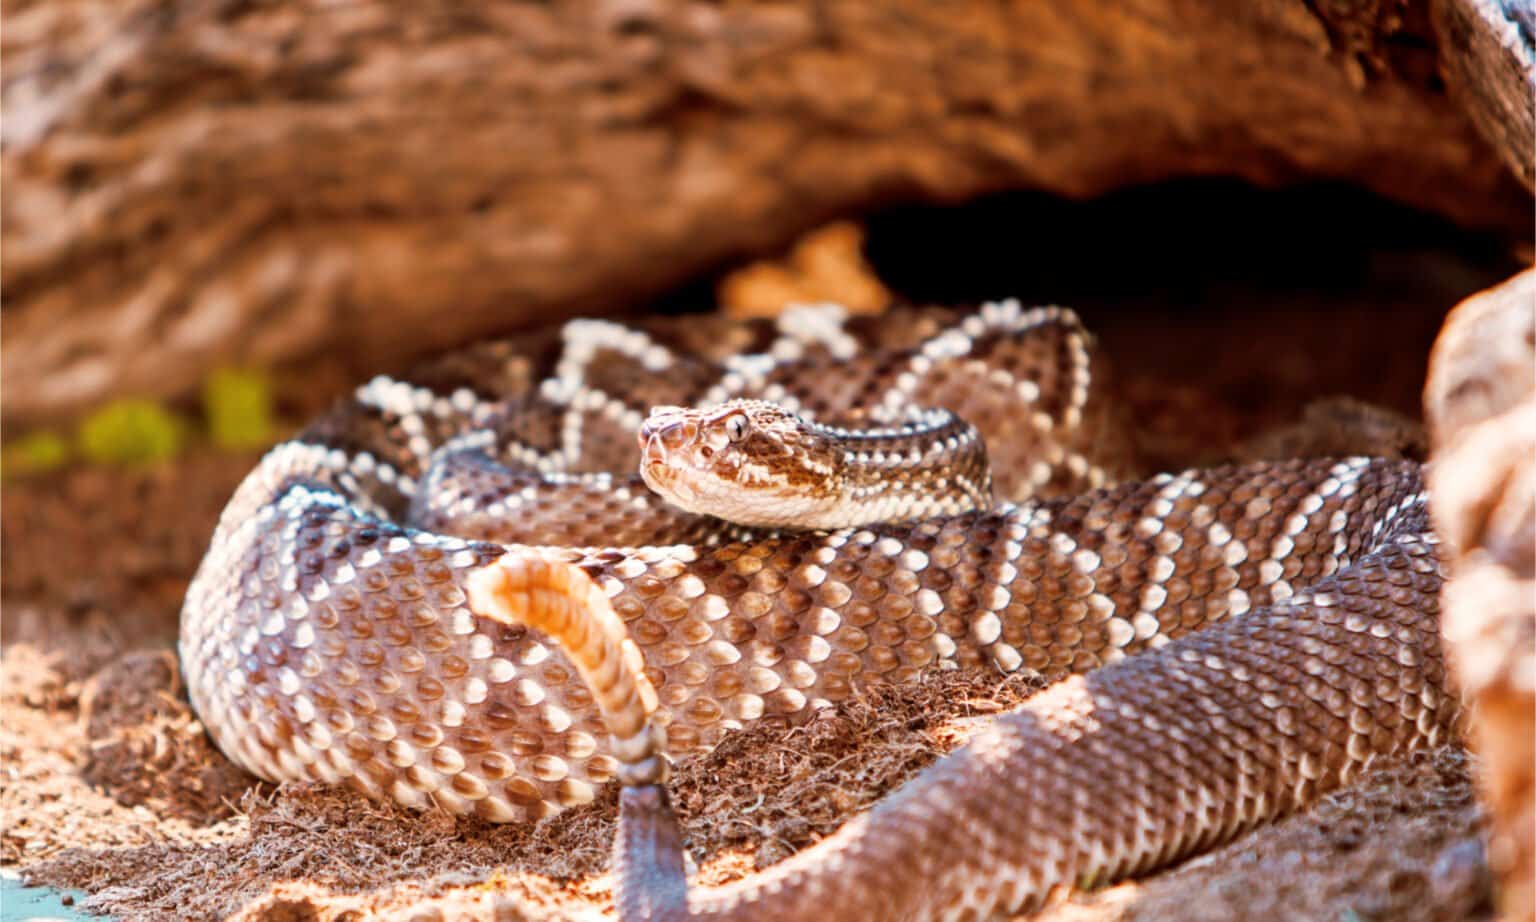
(203, 182)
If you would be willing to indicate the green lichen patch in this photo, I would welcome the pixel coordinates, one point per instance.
(34, 453)
(130, 431)
(237, 404)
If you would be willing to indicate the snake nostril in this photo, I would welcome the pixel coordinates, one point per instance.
(673, 436)
(654, 425)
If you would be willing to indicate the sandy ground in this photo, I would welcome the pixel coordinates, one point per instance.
(110, 785)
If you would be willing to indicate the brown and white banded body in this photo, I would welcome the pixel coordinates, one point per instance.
(756, 464)
(331, 632)
(327, 637)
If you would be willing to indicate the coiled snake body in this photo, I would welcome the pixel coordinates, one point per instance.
(336, 629)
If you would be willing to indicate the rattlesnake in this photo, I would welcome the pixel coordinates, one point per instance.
(335, 633)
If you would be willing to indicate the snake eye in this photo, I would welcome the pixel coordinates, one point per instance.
(736, 426)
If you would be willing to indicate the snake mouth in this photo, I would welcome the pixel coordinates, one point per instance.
(653, 461)
(655, 468)
(661, 474)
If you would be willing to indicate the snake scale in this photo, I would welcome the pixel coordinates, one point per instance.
(1238, 640)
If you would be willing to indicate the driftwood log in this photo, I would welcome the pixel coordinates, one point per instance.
(304, 185)
(1480, 402)
(1490, 64)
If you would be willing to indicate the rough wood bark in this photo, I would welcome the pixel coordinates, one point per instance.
(1490, 65)
(1480, 402)
(307, 184)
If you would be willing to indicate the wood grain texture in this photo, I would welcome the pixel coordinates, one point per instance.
(299, 184)
(1488, 54)
(1480, 401)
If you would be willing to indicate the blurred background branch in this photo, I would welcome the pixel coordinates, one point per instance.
(332, 189)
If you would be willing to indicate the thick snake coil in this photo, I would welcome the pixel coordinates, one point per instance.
(336, 632)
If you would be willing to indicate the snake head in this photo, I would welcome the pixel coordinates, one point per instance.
(746, 461)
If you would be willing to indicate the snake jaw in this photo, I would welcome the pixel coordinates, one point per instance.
(663, 453)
